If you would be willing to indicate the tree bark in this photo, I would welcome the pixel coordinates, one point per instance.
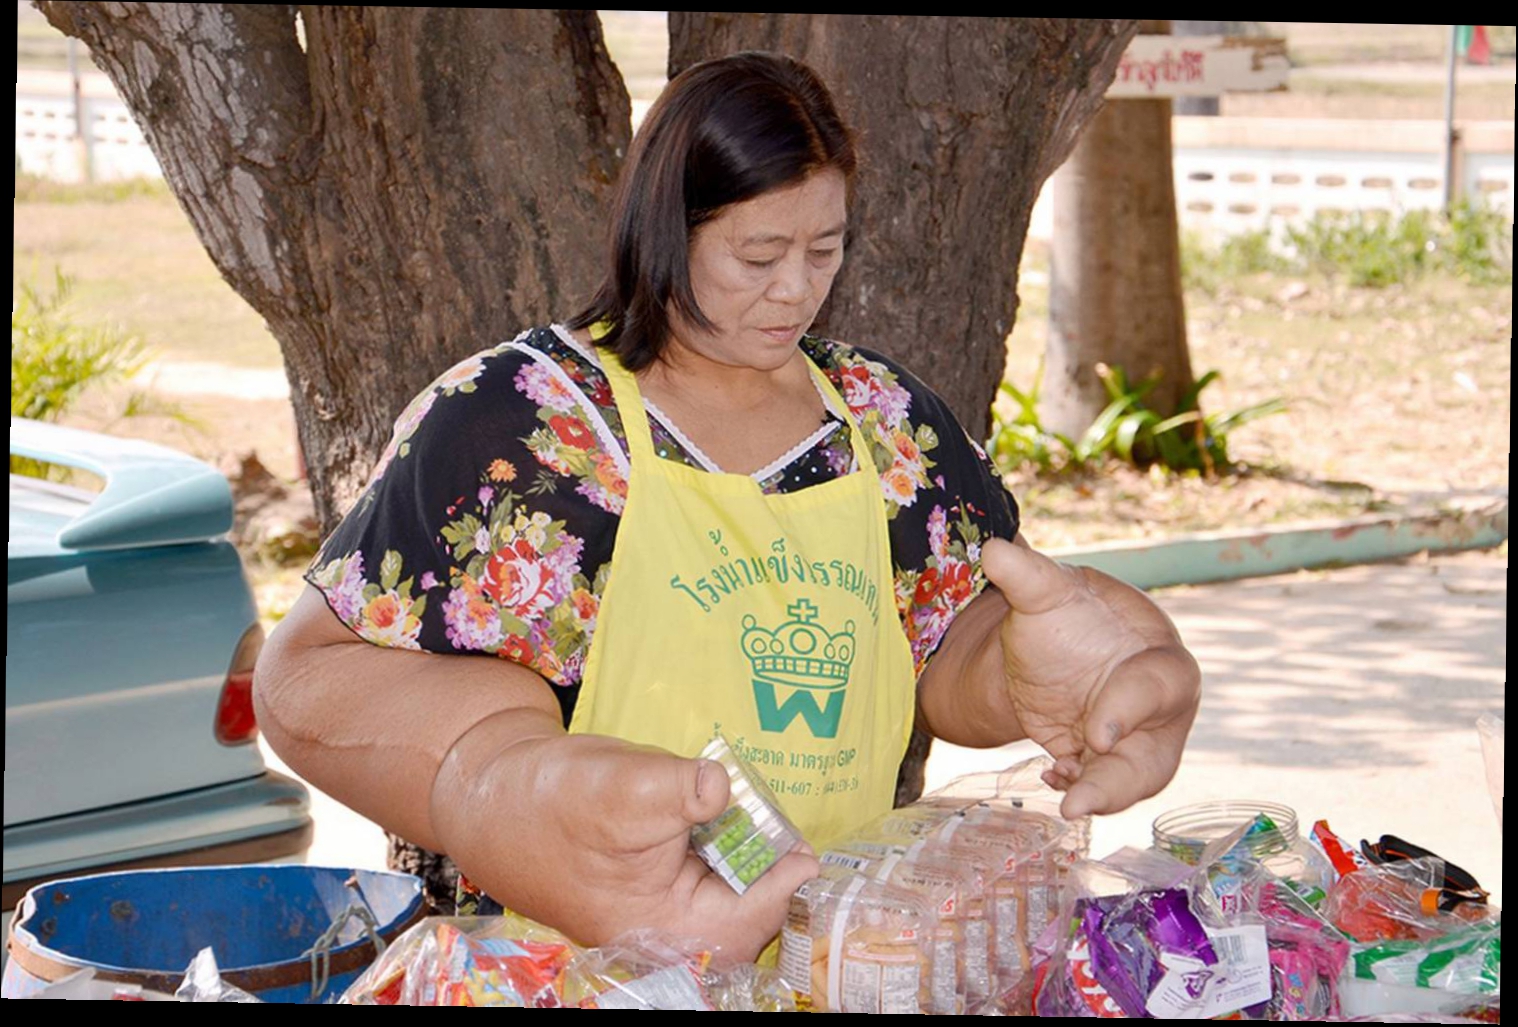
(960, 120)
(1115, 267)
(413, 185)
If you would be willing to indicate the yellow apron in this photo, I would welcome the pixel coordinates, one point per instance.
(771, 618)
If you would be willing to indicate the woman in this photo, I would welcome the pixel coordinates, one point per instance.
(679, 514)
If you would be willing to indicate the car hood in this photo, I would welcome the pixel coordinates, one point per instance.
(153, 495)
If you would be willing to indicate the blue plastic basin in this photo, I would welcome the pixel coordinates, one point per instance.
(144, 926)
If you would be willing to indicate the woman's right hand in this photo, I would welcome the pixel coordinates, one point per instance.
(592, 834)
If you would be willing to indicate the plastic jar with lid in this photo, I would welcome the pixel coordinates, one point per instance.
(1275, 841)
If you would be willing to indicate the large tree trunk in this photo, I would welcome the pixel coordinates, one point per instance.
(418, 184)
(1115, 267)
(960, 121)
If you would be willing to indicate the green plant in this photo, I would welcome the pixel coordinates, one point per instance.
(1125, 430)
(1205, 267)
(1371, 249)
(55, 361)
(1189, 440)
(1021, 439)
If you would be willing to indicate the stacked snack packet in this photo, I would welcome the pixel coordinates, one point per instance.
(933, 907)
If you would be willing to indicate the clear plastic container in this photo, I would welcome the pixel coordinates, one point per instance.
(1186, 832)
(751, 835)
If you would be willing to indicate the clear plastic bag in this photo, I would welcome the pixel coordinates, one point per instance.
(1024, 883)
(203, 983)
(640, 971)
(469, 961)
(1005, 828)
(1467, 961)
(747, 988)
(1398, 901)
(647, 971)
(956, 892)
(1021, 787)
(1491, 730)
(975, 959)
(751, 835)
(1136, 946)
(1307, 954)
(852, 945)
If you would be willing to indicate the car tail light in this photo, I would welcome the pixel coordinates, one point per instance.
(235, 723)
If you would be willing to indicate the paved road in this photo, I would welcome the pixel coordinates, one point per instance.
(1350, 695)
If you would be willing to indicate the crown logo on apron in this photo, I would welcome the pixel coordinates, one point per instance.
(799, 669)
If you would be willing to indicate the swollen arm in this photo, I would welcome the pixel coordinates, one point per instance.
(374, 727)
(962, 696)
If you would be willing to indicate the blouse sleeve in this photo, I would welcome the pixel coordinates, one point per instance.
(943, 497)
(467, 539)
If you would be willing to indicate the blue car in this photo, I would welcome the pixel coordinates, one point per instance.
(131, 635)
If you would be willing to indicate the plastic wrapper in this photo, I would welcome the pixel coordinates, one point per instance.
(1397, 901)
(1467, 961)
(751, 835)
(956, 892)
(1021, 856)
(853, 945)
(1410, 1018)
(1488, 1010)
(1307, 954)
(975, 959)
(1491, 730)
(1020, 786)
(747, 988)
(1024, 881)
(641, 971)
(1135, 946)
(203, 983)
(469, 961)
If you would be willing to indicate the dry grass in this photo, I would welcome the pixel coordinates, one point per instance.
(1399, 398)
(136, 262)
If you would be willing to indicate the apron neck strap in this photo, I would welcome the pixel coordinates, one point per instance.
(640, 442)
(629, 400)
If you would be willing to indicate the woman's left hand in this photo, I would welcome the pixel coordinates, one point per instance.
(1097, 675)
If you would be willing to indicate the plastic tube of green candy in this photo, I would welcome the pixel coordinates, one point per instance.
(751, 835)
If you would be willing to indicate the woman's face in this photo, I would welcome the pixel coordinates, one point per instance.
(761, 269)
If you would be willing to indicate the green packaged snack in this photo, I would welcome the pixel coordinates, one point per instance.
(751, 835)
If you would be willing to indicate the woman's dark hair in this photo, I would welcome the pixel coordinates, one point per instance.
(722, 132)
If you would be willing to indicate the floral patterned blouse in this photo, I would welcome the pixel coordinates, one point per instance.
(489, 524)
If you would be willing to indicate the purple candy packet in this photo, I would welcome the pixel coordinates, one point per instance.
(1129, 934)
